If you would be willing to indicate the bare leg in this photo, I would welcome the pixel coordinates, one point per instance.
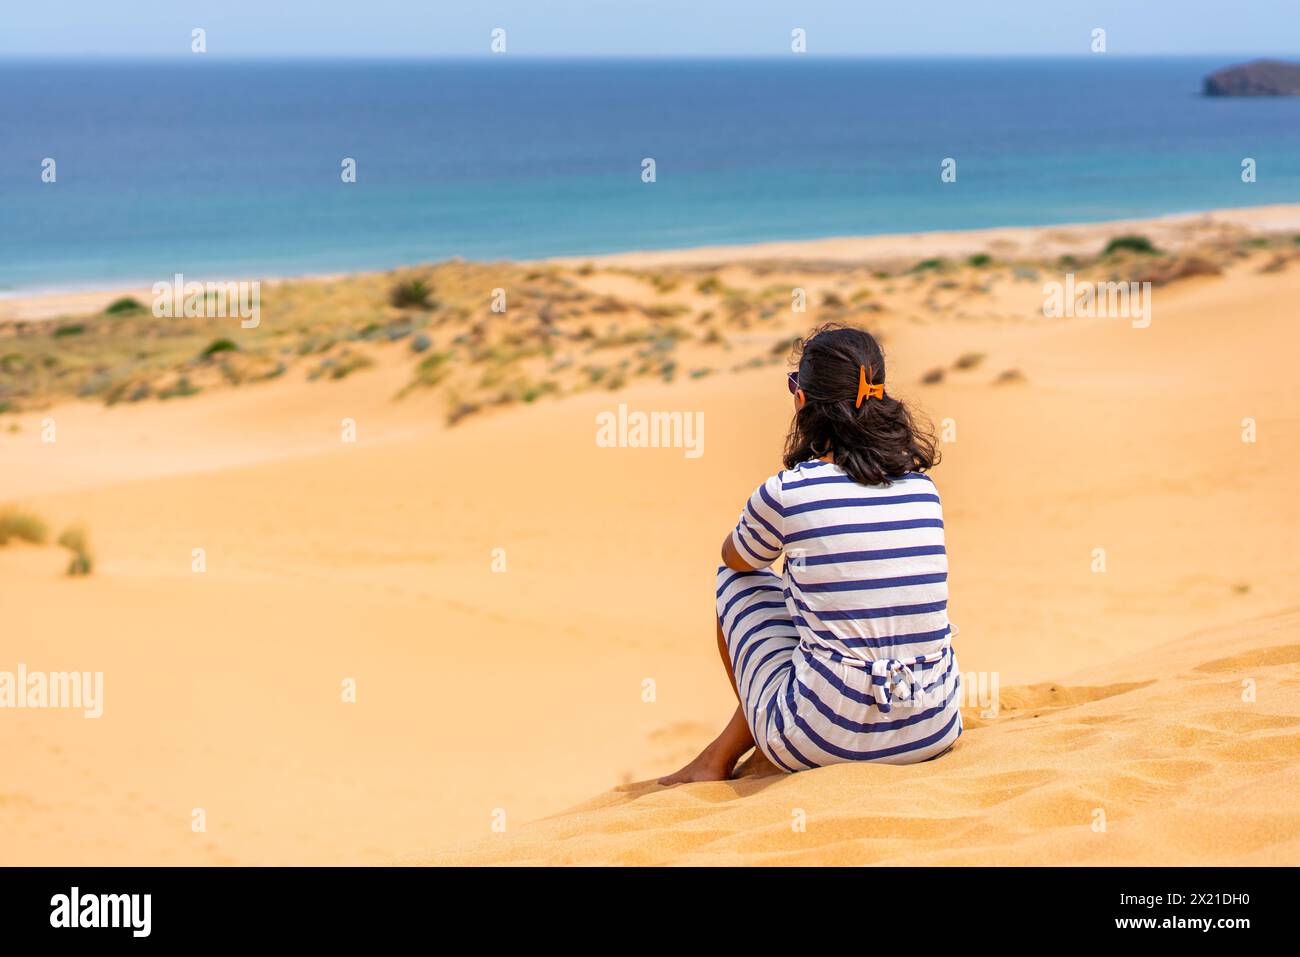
(716, 761)
(756, 766)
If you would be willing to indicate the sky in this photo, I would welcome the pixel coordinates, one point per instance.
(424, 28)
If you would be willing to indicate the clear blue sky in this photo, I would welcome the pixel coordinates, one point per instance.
(1233, 28)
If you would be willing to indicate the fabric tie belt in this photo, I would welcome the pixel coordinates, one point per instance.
(893, 678)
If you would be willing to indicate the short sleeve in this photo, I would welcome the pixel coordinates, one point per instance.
(759, 536)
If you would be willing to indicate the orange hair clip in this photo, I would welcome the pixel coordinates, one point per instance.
(867, 388)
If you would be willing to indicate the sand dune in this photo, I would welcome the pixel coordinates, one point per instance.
(1161, 763)
(520, 692)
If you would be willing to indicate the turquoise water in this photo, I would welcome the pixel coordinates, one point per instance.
(219, 169)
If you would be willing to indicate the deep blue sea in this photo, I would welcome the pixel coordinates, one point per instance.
(222, 169)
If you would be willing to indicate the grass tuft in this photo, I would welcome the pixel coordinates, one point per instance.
(1132, 244)
(411, 294)
(929, 265)
(218, 346)
(73, 538)
(123, 306)
(22, 526)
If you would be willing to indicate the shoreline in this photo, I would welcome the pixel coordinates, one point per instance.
(1171, 230)
(1058, 238)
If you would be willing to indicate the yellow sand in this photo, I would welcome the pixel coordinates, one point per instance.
(486, 695)
(1166, 766)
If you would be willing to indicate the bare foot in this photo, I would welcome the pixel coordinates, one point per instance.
(709, 766)
(756, 766)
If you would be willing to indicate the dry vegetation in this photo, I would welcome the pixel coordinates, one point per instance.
(564, 330)
(18, 525)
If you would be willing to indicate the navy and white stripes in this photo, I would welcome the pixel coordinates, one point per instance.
(846, 656)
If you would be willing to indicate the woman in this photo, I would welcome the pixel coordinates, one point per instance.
(847, 655)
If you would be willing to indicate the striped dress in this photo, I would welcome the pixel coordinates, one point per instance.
(847, 655)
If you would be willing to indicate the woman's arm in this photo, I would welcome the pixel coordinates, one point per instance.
(758, 538)
(731, 558)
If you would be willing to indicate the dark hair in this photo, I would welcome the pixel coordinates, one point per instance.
(874, 443)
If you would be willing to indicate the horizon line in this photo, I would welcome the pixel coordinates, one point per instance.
(616, 57)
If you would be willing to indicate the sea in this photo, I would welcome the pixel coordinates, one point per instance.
(222, 169)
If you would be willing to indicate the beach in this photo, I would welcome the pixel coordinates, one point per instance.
(438, 622)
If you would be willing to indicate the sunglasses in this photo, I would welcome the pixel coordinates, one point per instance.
(792, 381)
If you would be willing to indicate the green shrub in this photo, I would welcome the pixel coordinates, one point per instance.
(218, 346)
(411, 294)
(21, 526)
(928, 265)
(432, 369)
(124, 305)
(73, 539)
(1132, 244)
